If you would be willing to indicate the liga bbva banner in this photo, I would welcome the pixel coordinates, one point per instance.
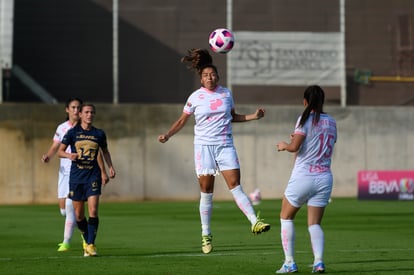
(287, 58)
(386, 185)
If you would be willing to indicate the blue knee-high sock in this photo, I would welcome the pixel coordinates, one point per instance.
(93, 223)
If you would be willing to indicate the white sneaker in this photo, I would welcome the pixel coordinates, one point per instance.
(318, 268)
(288, 268)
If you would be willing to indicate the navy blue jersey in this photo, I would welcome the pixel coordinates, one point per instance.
(86, 144)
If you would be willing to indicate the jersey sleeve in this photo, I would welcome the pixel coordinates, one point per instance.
(67, 137)
(298, 129)
(189, 106)
(103, 144)
(58, 134)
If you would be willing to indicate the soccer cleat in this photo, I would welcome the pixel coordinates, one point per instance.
(260, 227)
(206, 245)
(90, 251)
(288, 268)
(63, 247)
(318, 268)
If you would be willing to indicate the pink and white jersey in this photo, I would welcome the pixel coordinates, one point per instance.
(315, 154)
(212, 112)
(61, 130)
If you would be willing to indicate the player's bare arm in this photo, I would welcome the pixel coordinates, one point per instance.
(294, 145)
(108, 160)
(258, 114)
(51, 152)
(101, 163)
(176, 127)
(62, 154)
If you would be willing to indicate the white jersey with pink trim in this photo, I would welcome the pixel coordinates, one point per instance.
(315, 154)
(212, 112)
(61, 130)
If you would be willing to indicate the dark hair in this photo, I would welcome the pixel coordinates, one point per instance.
(70, 100)
(198, 60)
(88, 105)
(315, 97)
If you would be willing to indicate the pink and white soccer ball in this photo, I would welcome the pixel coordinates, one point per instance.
(221, 40)
(255, 197)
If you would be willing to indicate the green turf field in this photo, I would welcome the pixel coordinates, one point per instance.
(361, 237)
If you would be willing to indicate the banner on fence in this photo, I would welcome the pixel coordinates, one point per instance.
(386, 185)
(287, 58)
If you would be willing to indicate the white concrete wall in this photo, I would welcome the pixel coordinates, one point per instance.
(368, 138)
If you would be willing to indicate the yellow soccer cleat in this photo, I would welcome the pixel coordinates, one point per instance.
(63, 247)
(260, 227)
(206, 245)
(90, 251)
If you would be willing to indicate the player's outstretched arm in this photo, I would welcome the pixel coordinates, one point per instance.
(258, 114)
(175, 127)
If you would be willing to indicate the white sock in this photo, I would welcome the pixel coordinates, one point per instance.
(63, 212)
(70, 222)
(244, 203)
(317, 240)
(206, 208)
(287, 234)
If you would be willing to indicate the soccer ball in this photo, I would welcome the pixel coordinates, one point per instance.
(221, 40)
(255, 197)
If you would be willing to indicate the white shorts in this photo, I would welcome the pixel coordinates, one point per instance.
(63, 185)
(211, 159)
(315, 191)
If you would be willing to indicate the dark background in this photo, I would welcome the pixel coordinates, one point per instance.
(66, 46)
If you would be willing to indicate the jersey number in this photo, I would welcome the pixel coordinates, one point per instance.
(329, 145)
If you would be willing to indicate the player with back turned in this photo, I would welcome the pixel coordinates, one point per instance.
(310, 183)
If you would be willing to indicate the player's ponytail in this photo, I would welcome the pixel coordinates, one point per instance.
(315, 97)
(198, 59)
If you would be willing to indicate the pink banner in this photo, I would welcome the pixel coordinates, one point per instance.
(386, 185)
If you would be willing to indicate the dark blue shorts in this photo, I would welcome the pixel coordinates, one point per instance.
(81, 191)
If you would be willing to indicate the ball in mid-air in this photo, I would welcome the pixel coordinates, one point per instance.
(255, 197)
(221, 40)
